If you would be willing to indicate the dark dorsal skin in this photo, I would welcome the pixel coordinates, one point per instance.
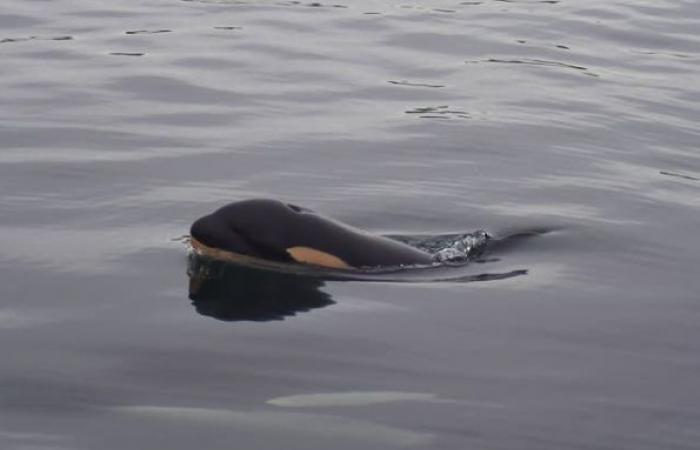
(269, 228)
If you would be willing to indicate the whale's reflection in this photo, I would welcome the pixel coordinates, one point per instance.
(232, 292)
(260, 290)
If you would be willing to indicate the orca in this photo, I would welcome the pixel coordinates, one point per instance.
(280, 232)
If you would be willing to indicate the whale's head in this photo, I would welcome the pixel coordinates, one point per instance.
(258, 228)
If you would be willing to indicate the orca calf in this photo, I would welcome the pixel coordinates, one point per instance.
(275, 231)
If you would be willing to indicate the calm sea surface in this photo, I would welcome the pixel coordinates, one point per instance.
(122, 122)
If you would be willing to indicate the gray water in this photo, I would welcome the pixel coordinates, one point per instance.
(122, 122)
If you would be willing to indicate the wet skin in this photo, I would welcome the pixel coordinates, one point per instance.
(277, 231)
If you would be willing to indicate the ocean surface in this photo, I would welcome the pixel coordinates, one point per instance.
(122, 122)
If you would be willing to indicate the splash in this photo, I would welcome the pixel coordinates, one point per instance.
(450, 249)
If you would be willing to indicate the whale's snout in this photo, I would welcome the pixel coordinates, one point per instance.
(212, 232)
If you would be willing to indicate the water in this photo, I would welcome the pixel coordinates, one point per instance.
(576, 118)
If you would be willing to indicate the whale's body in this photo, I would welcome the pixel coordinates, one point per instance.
(276, 231)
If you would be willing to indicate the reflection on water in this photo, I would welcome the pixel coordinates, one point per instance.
(355, 398)
(36, 38)
(539, 62)
(231, 292)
